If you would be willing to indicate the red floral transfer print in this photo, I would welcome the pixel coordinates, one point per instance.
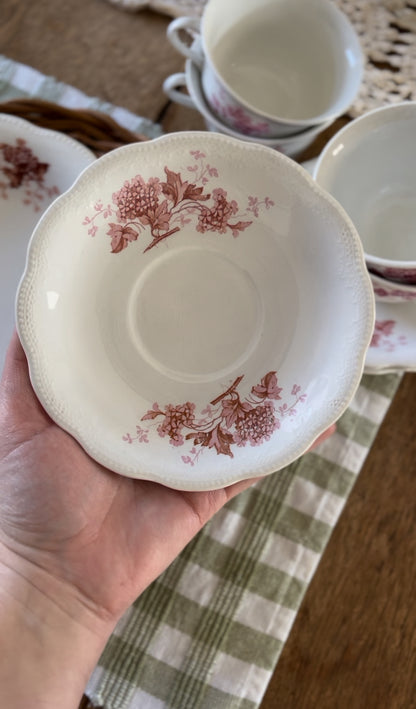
(238, 117)
(394, 292)
(227, 421)
(384, 336)
(22, 169)
(163, 206)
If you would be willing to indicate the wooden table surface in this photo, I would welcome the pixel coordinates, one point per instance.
(354, 641)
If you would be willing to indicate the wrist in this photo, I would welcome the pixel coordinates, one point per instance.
(50, 639)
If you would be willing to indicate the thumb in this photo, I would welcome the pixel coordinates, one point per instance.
(18, 401)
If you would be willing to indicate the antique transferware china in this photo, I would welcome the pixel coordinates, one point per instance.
(392, 292)
(393, 345)
(191, 80)
(36, 165)
(276, 68)
(370, 168)
(195, 310)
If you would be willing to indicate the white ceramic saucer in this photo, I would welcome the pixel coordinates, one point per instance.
(184, 310)
(36, 165)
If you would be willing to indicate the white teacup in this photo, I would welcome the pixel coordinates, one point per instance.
(370, 168)
(274, 68)
(191, 81)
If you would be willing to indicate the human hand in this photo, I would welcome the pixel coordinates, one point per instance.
(78, 543)
(103, 534)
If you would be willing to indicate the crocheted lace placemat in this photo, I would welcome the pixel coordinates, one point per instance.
(387, 30)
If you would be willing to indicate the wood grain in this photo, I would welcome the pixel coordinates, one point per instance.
(353, 644)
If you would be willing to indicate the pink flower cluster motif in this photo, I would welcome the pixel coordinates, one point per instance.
(165, 206)
(227, 421)
(238, 117)
(22, 169)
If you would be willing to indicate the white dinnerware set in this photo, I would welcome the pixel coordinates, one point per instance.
(278, 74)
(275, 73)
(221, 292)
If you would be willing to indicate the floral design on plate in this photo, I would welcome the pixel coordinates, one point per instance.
(22, 169)
(394, 293)
(384, 336)
(163, 207)
(227, 421)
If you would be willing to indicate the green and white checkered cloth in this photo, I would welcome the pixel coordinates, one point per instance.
(208, 633)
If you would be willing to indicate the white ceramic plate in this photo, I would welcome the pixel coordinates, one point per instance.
(36, 165)
(195, 310)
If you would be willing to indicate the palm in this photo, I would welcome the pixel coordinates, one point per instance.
(106, 535)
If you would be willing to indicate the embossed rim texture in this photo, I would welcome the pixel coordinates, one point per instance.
(46, 133)
(212, 470)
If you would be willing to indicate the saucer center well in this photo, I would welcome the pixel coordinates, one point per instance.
(195, 315)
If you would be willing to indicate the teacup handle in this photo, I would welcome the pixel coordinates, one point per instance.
(171, 87)
(192, 27)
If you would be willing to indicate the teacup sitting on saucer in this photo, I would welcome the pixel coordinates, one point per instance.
(282, 66)
(194, 98)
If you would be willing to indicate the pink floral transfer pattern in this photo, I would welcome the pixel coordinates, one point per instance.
(239, 119)
(403, 275)
(394, 293)
(226, 421)
(21, 169)
(384, 336)
(164, 206)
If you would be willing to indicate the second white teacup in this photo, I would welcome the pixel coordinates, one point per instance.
(370, 168)
(274, 67)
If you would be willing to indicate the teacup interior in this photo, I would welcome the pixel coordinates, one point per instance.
(371, 170)
(293, 60)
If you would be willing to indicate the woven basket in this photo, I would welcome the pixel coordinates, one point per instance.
(94, 129)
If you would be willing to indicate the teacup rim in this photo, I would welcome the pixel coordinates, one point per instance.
(312, 121)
